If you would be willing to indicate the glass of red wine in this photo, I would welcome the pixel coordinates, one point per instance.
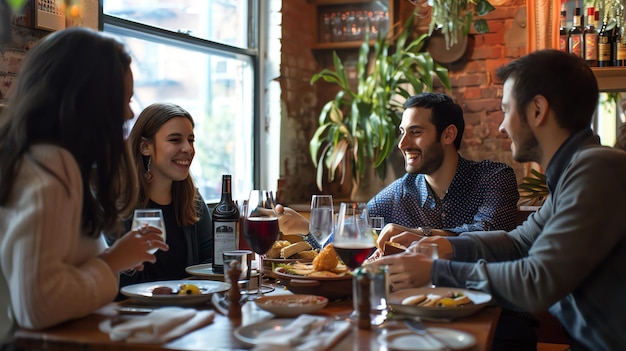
(353, 239)
(260, 227)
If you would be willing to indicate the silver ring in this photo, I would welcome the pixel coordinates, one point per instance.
(149, 243)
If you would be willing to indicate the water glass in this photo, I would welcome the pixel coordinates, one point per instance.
(240, 256)
(430, 250)
(152, 217)
(321, 221)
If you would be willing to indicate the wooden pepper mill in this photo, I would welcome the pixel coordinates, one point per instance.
(234, 295)
(363, 302)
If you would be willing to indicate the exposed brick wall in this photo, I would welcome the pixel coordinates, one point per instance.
(474, 86)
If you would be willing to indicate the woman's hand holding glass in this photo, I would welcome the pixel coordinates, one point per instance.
(131, 250)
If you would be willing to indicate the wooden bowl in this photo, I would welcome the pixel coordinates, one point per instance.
(332, 288)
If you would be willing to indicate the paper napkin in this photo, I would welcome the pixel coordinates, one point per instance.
(304, 333)
(160, 325)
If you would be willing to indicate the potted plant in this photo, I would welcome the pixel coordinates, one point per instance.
(454, 17)
(360, 125)
(533, 189)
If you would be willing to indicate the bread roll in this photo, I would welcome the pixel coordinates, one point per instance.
(391, 248)
(414, 300)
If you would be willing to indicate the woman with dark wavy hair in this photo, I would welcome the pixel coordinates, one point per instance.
(162, 142)
(66, 176)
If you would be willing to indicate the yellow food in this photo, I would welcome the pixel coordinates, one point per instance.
(414, 300)
(274, 252)
(294, 248)
(446, 302)
(189, 289)
(326, 260)
(307, 255)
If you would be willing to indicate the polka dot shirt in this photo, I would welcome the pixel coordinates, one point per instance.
(482, 196)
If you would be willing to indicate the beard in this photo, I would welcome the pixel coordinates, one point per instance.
(432, 158)
(527, 148)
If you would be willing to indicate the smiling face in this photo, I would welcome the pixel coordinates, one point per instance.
(172, 150)
(419, 142)
(524, 144)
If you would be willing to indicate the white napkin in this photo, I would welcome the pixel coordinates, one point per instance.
(303, 334)
(160, 325)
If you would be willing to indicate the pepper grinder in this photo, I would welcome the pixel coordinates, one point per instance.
(363, 302)
(234, 295)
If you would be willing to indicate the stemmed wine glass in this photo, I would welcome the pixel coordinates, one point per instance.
(353, 239)
(321, 221)
(152, 217)
(260, 227)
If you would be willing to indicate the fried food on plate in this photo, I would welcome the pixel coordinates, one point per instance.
(326, 260)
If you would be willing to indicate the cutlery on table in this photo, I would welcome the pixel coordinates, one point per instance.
(416, 326)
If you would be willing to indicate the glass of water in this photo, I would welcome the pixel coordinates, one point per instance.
(152, 217)
(321, 222)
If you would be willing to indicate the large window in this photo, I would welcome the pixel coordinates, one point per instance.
(202, 56)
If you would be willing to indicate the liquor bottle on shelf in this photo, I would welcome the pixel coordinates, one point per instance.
(563, 32)
(225, 219)
(605, 42)
(576, 35)
(619, 48)
(590, 35)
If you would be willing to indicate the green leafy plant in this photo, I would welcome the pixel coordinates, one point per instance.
(360, 125)
(533, 188)
(454, 16)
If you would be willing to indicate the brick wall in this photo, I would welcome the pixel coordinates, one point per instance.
(474, 86)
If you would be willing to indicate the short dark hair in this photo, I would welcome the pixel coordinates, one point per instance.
(565, 80)
(445, 113)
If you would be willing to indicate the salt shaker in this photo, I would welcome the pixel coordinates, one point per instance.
(234, 295)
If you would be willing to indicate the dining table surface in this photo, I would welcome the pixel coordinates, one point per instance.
(84, 334)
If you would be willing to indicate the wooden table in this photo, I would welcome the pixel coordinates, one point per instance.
(84, 335)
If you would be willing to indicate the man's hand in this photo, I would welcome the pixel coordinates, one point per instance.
(291, 222)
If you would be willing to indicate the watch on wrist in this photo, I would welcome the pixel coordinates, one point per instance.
(427, 231)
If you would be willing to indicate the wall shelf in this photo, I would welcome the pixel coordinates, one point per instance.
(610, 79)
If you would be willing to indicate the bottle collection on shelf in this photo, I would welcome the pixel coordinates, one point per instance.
(600, 44)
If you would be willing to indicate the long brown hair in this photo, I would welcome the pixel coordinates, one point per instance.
(70, 92)
(151, 119)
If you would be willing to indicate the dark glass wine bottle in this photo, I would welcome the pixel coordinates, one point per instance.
(605, 43)
(225, 219)
(619, 48)
(576, 35)
(590, 35)
(563, 32)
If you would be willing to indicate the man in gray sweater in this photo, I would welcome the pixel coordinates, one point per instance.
(570, 256)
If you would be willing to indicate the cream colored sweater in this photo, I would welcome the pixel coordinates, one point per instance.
(49, 271)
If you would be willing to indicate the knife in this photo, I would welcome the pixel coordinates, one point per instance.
(416, 326)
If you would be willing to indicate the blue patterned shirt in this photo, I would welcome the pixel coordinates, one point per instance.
(482, 196)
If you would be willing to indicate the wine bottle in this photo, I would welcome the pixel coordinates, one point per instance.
(225, 219)
(576, 35)
(605, 40)
(590, 34)
(619, 49)
(563, 32)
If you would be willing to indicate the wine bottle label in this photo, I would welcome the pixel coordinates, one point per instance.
(604, 50)
(224, 239)
(575, 44)
(591, 47)
(621, 51)
(563, 42)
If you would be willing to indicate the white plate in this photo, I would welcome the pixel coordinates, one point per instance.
(479, 300)
(250, 332)
(206, 271)
(291, 305)
(407, 340)
(142, 293)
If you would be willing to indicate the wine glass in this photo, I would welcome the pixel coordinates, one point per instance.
(261, 226)
(321, 221)
(152, 217)
(353, 239)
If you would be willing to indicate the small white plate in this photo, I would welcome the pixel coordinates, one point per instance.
(142, 293)
(250, 332)
(478, 300)
(291, 305)
(407, 340)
